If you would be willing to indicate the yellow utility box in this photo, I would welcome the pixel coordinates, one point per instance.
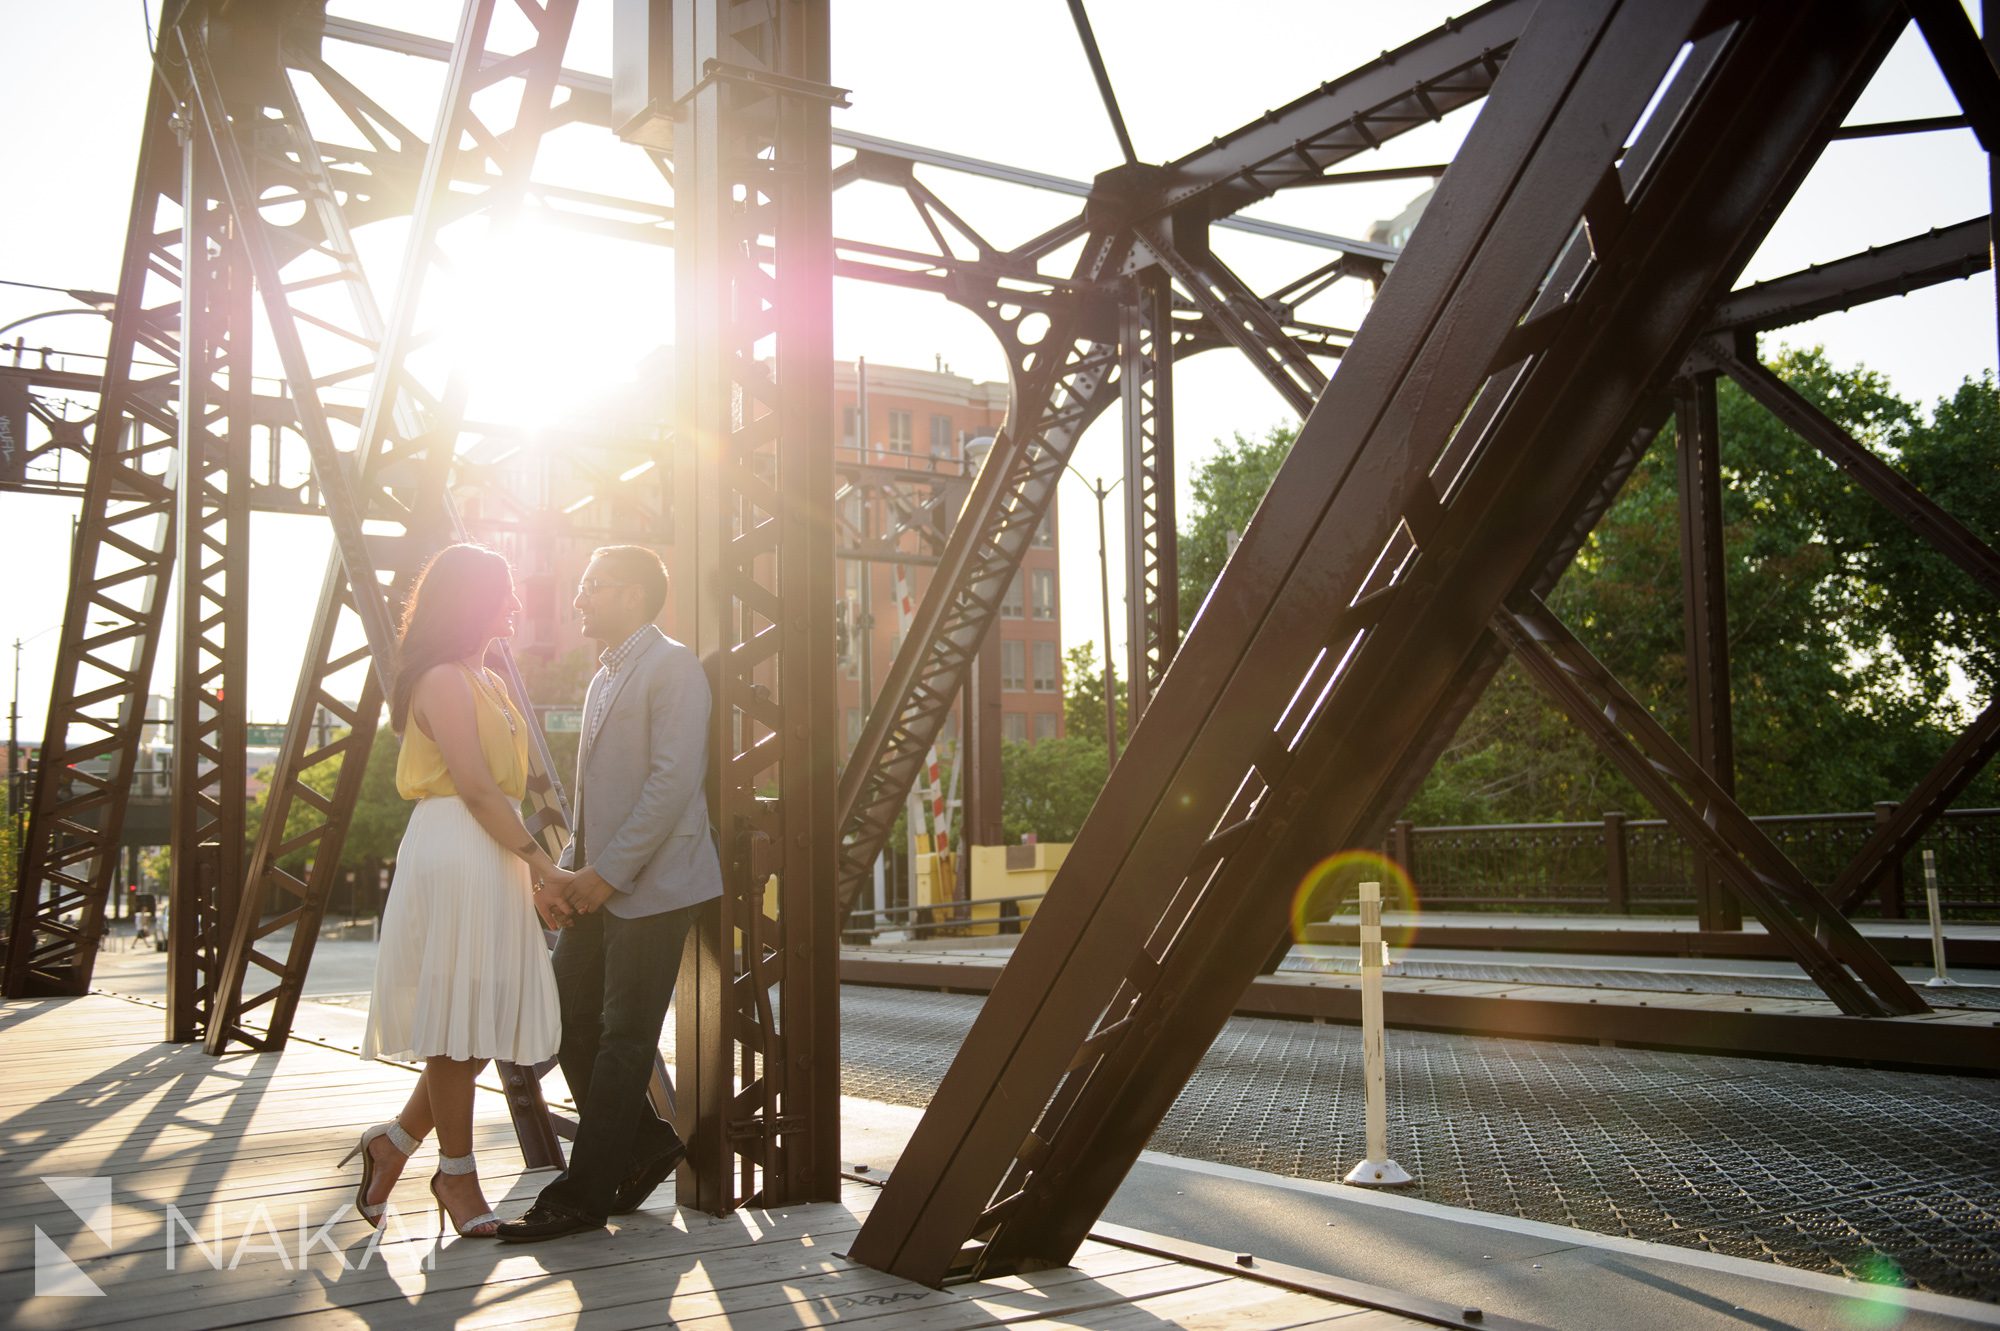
(1003, 875)
(936, 882)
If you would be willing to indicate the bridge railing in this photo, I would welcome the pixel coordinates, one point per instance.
(1620, 865)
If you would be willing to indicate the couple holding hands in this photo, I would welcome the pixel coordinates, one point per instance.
(463, 974)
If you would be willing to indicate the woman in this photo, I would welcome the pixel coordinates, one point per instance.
(463, 973)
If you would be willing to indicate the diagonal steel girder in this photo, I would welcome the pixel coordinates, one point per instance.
(404, 453)
(1396, 541)
(120, 565)
(1061, 382)
(1412, 86)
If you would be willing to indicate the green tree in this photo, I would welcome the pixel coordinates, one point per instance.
(1846, 630)
(1047, 787)
(13, 831)
(1227, 488)
(1844, 626)
(1083, 696)
(380, 814)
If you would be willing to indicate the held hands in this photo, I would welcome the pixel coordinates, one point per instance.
(551, 897)
(561, 896)
(588, 891)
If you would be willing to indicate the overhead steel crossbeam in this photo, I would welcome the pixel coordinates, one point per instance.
(753, 291)
(1941, 255)
(590, 104)
(1297, 144)
(909, 501)
(594, 467)
(1347, 116)
(122, 559)
(1402, 539)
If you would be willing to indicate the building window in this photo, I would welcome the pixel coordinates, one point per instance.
(1045, 531)
(1042, 588)
(1045, 725)
(850, 426)
(853, 726)
(1014, 726)
(941, 434)
(899, 431)
(1010, 604)
(1013, 664)
(1047, 678)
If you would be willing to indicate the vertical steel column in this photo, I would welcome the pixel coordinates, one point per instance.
(983, 724)
(118, 575)
(211, 669)
(1711, 737)
(1152, 564)
(754, 546)
(1989, 39)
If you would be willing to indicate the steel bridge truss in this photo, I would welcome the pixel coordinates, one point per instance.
(1480, 422)
(1482, 419)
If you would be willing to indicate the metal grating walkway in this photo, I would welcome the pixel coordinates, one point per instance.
(1853, 1171)
(1978, 996)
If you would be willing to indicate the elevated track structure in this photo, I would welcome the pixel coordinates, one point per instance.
(1571, 287)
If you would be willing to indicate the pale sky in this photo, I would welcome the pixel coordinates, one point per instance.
(1010, 85)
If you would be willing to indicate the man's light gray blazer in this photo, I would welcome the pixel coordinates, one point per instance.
(639, 785)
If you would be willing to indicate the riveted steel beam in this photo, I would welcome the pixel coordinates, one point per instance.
(753, 293)
(1398, 537)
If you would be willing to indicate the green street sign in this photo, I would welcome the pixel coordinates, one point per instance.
(563, 721)
(264, 736)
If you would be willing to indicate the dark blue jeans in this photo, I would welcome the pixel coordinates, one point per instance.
(615, 978)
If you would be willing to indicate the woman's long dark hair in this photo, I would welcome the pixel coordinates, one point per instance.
(450, 613)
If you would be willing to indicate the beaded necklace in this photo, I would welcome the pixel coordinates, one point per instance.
(486, 686)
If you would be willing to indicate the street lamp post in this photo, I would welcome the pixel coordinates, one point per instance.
(1100, 491)
(14, 725)
(14, 718)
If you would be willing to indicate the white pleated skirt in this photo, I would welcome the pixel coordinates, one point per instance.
(462, 970)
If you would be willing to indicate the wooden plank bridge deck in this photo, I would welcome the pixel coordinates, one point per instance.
(225, 1209)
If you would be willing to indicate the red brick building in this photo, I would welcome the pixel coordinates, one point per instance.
(919, 424)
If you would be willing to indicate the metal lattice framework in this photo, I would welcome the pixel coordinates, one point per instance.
(754, 537)
(1480, 420)
(117, 595)
(213, 529)
(1456, 451)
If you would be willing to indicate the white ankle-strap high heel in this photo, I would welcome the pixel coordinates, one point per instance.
(482, 1226)
(398, 1138)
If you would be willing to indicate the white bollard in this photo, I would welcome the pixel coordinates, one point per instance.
(1378, 1170)
(1939, 980)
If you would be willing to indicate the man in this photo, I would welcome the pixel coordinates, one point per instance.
(645, 863)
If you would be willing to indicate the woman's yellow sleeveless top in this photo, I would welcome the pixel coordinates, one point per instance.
(420, 769)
